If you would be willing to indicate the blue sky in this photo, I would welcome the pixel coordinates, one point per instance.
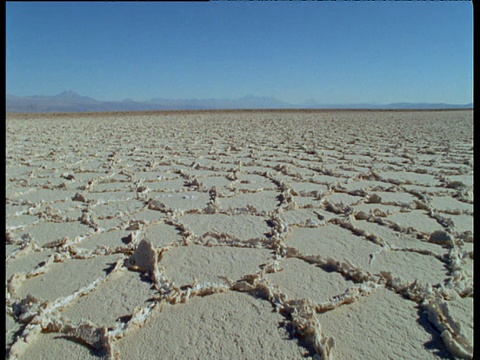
(332, 52)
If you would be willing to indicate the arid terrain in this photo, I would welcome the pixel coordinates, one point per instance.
(240, 235)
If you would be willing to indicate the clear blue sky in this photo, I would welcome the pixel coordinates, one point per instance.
(333, 52)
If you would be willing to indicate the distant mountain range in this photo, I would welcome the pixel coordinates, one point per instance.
(69, 101)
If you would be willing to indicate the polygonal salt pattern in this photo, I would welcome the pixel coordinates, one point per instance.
(268, 234)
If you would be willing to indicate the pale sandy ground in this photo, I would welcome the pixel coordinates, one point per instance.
(240, 235)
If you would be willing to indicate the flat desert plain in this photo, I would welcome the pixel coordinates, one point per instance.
(240, 235)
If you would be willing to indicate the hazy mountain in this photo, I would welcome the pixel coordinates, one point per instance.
(69, 101)
(312, 104)
(429, 106)
(246, 102)
(73, 96)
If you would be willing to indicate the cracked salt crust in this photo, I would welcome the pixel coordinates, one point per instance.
(162, 172)
(342, 198)
(220, 326)
(368, 208)
(11, 329)
(111, 186)
(367, 185)
(22, 221)
(462, 222)
(108, 238)
(253, 182)
(66, 277)
(332, 241)
(444, 203)
(110, 224)
(184, 201)
(42, 195)
(410, 266)
(303, 217)
(113, 301)
(308, 188)
(149, 216)
(382, 318)
(267, 202)
(298, 280)
(467, 180)
(219, 182)
(117, 207)
(396, 238)
(416, 219)
(53, 346)
(105, 197)
(395, 198)
(211, 264)
(240, 235)
(26, 262)
(462, 310)
(48, 232)
(162, 234)
(243, 227)
(308, 202)
(85, 177)
(167, 185)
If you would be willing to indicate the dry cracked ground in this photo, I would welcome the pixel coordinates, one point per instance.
(240, 235)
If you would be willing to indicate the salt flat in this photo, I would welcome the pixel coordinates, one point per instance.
(240, 235)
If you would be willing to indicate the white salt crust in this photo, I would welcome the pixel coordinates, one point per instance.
(324, 235)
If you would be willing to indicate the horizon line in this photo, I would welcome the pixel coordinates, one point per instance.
(191, 111)
(299, 103)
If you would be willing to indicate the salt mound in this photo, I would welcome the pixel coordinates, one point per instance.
(145, 260)
(441, 237)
